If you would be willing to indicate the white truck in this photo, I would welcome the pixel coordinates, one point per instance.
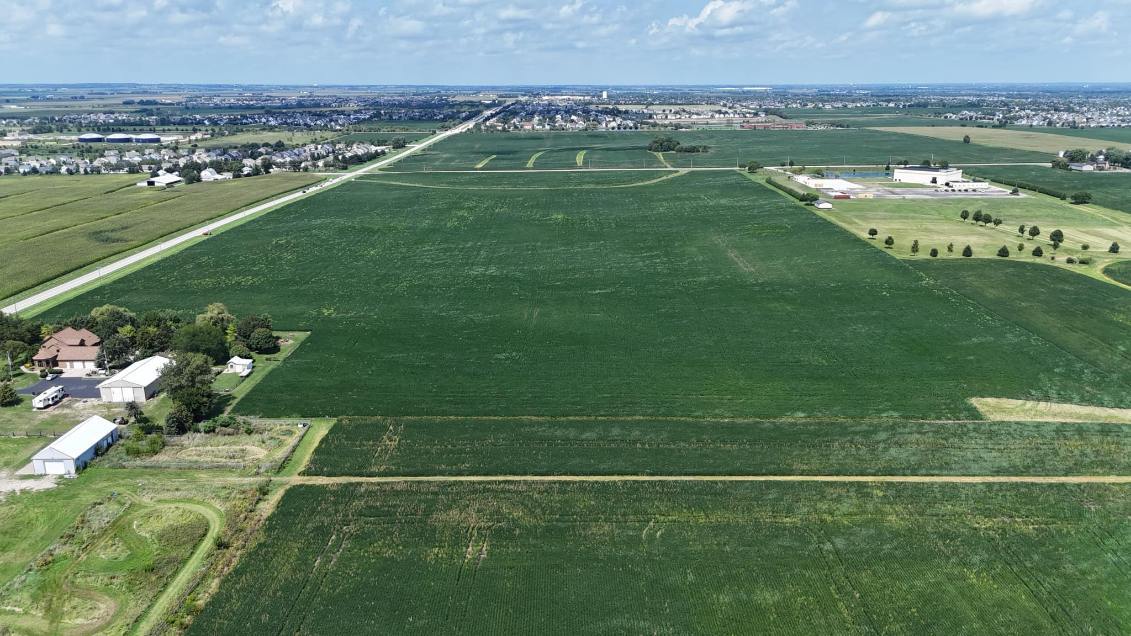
(48, 398)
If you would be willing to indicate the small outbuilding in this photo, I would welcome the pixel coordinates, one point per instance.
(76, 448)
(821, 204)
(242, 366)
(161, 181)
(135, 383)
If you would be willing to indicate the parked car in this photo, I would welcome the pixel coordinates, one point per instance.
(50, 376)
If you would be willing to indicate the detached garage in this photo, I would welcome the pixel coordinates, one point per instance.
(135, 383)
(76, 448)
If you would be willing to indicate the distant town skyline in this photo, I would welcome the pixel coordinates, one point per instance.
(565, 41)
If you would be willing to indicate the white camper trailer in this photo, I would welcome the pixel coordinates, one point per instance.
(48, 398)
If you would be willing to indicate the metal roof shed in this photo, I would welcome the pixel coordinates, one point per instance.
(76, 448)
(135, 383)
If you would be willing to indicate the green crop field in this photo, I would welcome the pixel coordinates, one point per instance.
(1120, 271)
(411, 446)
(1109, 189)
(57, 224)
(629, 149)
(1020, 139)
(683, 558)
(1085, 318)
(700, 295)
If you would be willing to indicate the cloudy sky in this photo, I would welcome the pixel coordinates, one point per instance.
(565, 41)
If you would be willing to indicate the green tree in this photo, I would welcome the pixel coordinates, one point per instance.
(997, 221)
(1080, 198)
(1003, 252)
(915, 246)
(1021, 229)
(1060, 163)
(188, 381)
(110, 319)
(754, 166)
(977, 216)
(203, 339)
(873, 233)
(889, 241)
(1114, 249)
(967, 251)
(1034, 232)
(263, 341)
(8, 395)
(1076, 155)
(178, 421)
(1056, 236)
(115, 352)
(950, 248)
(217, 315)
(966, 139)
(965, 214)
(1038, 252)
(934, 252)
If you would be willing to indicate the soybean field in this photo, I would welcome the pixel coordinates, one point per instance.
(688, 557)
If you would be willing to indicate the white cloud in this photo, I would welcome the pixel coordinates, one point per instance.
(994, 8)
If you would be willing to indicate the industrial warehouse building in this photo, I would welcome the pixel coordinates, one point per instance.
(91, 138)
(926, 176)
(76, 448)
(135, 383)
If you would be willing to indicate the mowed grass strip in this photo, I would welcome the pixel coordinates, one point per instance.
(702, 295)
(57, 224)
(682, 558)
(414, 447)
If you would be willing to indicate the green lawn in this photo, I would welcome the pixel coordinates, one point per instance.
(684, 558)
(399, 446)
(98, 216)
(1120, 271)
(937, 223)
(1109, 188)
(727, 147)
(700, 295)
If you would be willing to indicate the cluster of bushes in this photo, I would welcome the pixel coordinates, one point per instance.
(669, 144)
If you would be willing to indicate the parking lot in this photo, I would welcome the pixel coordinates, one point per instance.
(84, 388)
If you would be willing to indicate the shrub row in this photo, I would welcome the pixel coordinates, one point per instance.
(804, 197)
(1025, 185)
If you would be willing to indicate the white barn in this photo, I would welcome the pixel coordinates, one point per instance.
(242, 366)
(926, 176)
(135, 383)
(76, 448)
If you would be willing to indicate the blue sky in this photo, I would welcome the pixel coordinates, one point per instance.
(565, 41)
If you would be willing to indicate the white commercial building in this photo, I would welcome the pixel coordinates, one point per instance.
(160, 181)
(76, 448)
(926, 176)
(135, 383)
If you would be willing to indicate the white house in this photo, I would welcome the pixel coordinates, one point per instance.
(242, 366)
(74, 450)
(208, 174)
(135, 383)
(926, 176)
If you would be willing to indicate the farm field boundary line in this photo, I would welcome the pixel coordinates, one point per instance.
(314, 480)
(668, 175)
(693, 420)
(170, 243)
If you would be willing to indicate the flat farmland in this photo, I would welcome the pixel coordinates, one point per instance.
(1020, 139)
(681, 558)
(1085, 317)
(1120, 137)
(513, 151)
(1109, 189)
(521, 446)
(57, 224)
(702, 295)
